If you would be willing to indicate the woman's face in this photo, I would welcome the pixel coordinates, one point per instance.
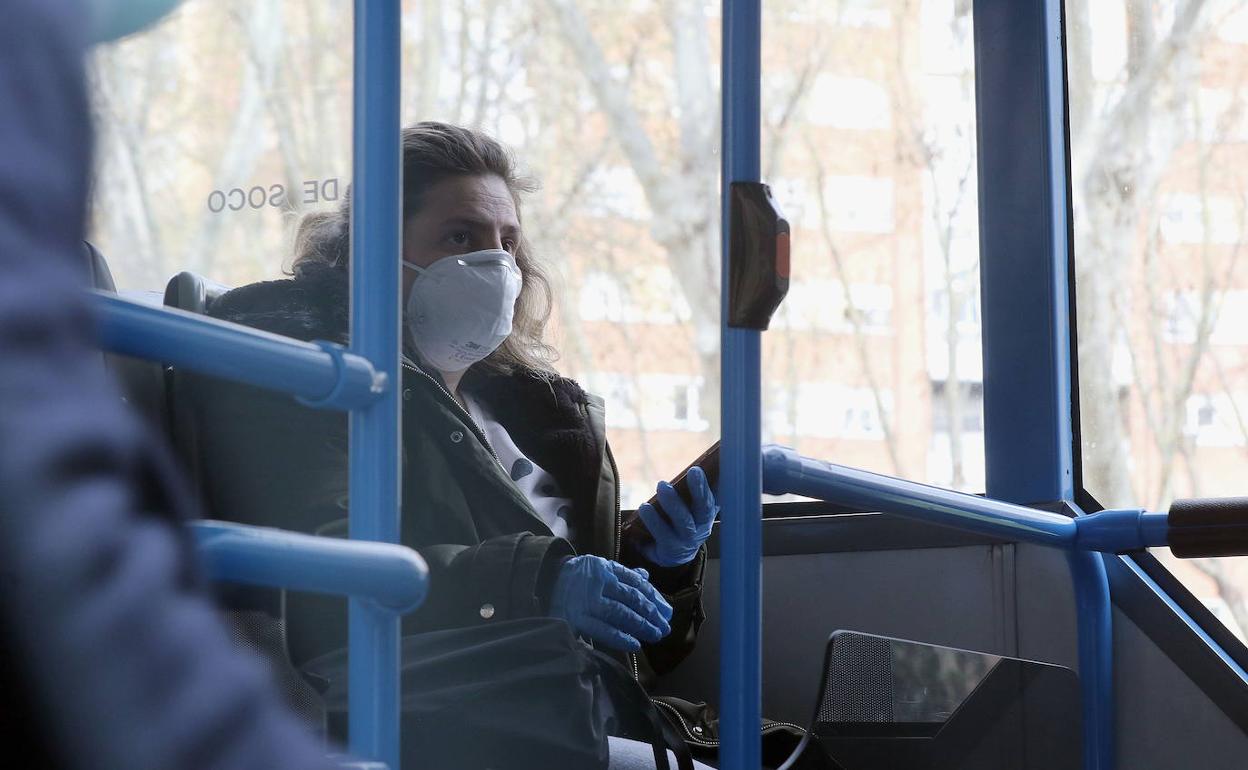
(460, 215)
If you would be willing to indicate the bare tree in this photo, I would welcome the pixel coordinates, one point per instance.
(682, 192)
(1117, 160)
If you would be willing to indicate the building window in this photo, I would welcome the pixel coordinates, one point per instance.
(820, 305)
(1214, 420)
(830, 410)
(650, 401)
(860, 204)
(872, 306)
(854, 104)
(1189, 219)
(1182, 314)
(614, 192)
(673, 402)
(602, 298)
(971, 401)
(620, 392)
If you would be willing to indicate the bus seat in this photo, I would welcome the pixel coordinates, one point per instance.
(253, 615)
(192, 293)
(99, 276)
(142, 382)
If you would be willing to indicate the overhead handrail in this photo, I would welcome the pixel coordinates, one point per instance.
(393, 577)
(318, 373)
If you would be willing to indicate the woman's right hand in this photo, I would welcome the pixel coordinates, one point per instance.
(611, 604)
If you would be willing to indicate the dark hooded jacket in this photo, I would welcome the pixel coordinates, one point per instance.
(267, 460)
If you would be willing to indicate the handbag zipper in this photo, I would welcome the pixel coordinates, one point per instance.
(689, 736)
(772, 724)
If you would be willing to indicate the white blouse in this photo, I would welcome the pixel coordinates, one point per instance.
(535, 482)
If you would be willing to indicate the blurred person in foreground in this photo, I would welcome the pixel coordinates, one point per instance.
(111, 654)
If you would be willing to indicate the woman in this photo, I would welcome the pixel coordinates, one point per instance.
(509, 488)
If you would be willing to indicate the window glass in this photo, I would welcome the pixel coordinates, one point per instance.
(215, 130)
(221, 128)
(874, 359)
(1158, 137)
(224, 126)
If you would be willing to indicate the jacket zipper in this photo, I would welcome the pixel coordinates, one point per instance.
(619, 535)
(703, 741)
(470, 423)
(480, 434)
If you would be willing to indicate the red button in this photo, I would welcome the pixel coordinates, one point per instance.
(782, 255)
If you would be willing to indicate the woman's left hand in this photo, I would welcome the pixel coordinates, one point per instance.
(677, 539)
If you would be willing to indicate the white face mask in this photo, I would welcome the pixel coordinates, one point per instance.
(460, 308)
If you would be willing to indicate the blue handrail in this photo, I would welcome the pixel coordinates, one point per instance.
(1113, 531)
(376, 234)
(740, 599)
(319, 373)
(383, 579)
(392, 576)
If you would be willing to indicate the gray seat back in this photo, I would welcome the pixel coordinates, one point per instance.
(254, 616)
(142, 382)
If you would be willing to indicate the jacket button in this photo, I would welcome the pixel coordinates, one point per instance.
(407, 394)
(457, 437)
(487, 611)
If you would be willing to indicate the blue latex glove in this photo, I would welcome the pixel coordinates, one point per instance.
(611, 604)
(677, 542)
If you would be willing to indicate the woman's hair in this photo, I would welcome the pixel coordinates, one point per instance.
(433, 152)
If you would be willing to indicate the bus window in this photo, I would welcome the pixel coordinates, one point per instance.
(1158, 134)
(874, 360)
(225, 125)
(216, 129)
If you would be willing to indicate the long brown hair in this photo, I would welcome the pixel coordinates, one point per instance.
(433, 152)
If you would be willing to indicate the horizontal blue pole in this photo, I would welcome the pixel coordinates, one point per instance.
(391, 576)
(320, 374)
(1118, 531)
(787, 472)
(1111, 531)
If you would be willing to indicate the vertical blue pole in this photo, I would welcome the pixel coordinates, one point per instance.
(1024, 207)
(374, 481)
(740, 674)
(1094, 615)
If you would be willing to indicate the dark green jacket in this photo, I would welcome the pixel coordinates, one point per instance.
(266, 460)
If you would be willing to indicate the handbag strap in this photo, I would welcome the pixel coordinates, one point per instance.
(664, 735)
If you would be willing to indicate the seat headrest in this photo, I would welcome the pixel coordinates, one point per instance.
(188, 291)
(97, 268)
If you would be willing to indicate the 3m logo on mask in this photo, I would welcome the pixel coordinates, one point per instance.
(460, 308)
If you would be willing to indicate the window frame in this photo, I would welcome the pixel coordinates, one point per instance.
(1163, 608)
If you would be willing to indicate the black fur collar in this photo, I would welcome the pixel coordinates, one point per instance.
(311, 307)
